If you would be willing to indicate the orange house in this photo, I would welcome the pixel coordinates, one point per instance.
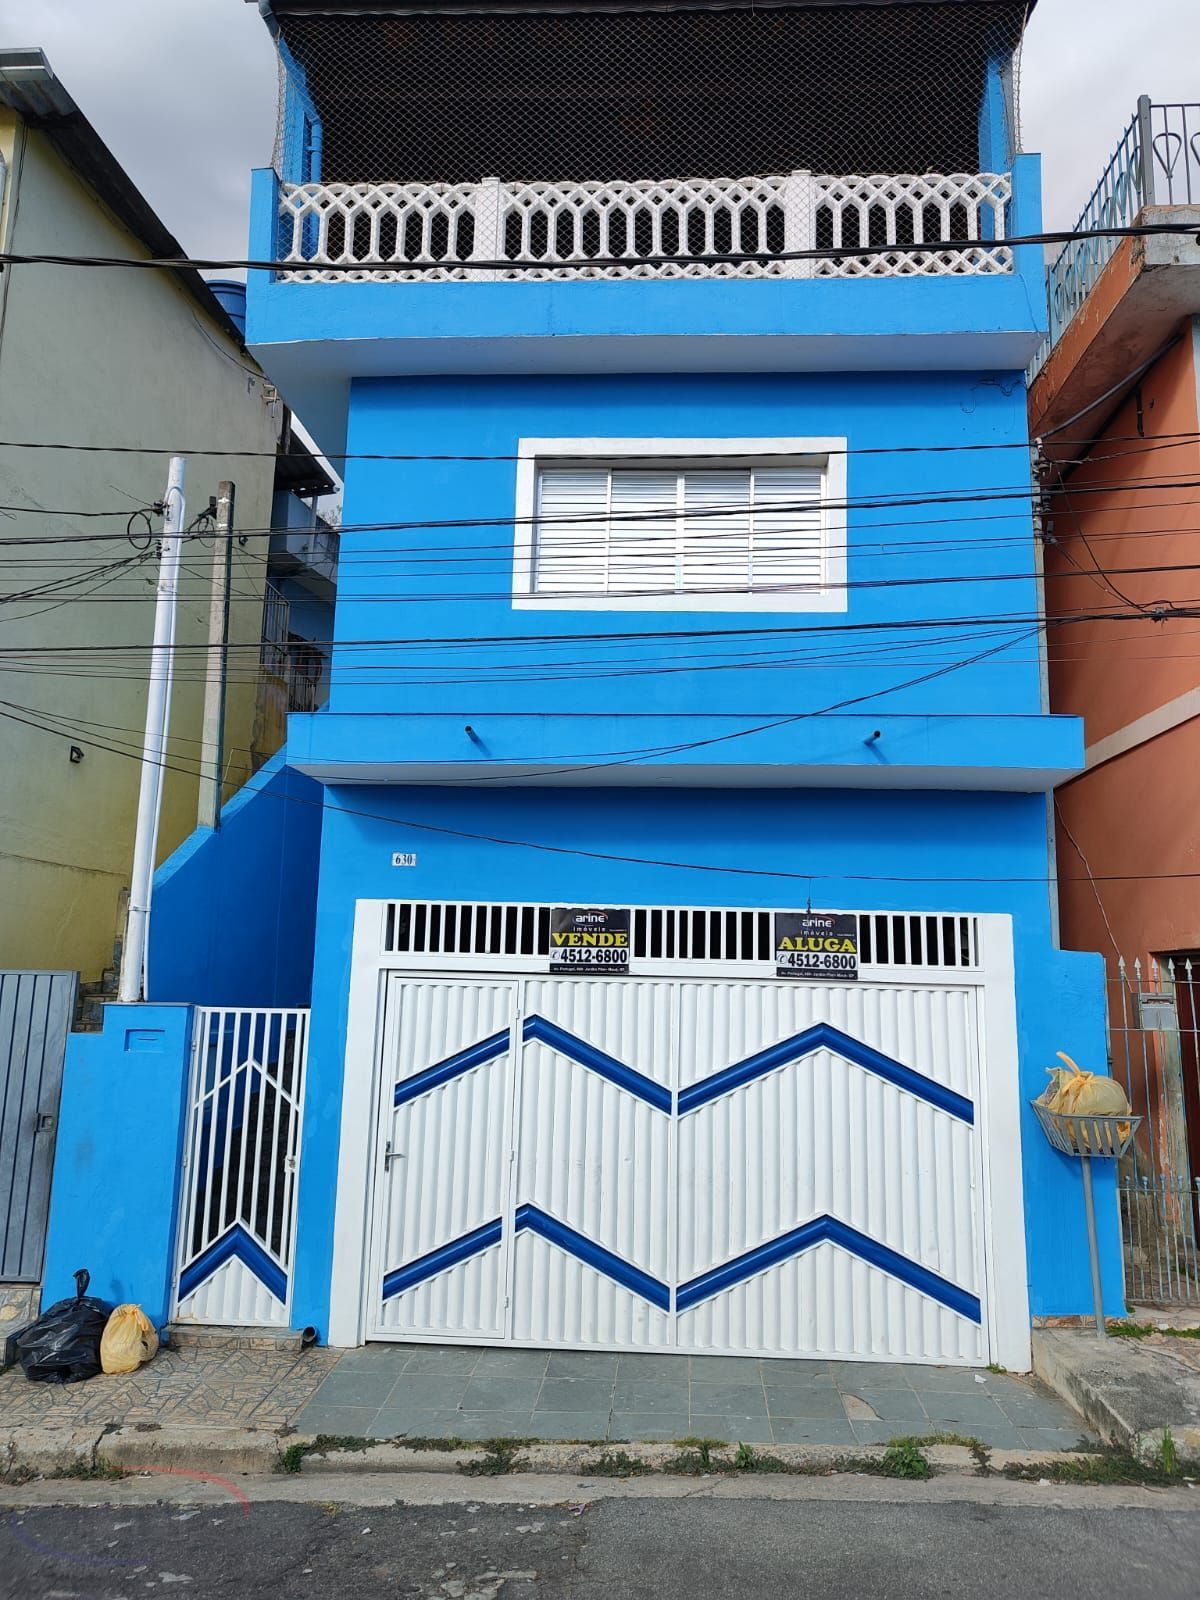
(1114, 411)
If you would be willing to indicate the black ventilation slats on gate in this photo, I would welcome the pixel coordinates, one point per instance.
(708, 935)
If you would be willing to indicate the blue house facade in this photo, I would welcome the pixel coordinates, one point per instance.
(683, 959)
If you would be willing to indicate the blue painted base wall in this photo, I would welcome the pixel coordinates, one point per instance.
(234, 910)
(116, 1166)
(850, 849)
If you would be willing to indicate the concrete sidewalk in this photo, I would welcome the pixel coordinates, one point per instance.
(466, 1392)
(1129, 1391)
(235, 1408)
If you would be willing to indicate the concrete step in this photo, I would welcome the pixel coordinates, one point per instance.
(1131, 1391)
(199, 1336)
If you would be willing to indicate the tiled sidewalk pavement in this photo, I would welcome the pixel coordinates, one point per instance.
(383, 1391)
(210, 1388)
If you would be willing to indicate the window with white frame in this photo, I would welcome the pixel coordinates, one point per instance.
(681, 524)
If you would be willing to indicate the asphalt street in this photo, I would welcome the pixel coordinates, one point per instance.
(658, 1549)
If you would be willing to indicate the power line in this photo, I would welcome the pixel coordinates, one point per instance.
(1162, 441)
(732, 590)
(609, 637)
(1144, 230)
(327, 806)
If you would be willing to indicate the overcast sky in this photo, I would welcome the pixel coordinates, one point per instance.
(183, 92)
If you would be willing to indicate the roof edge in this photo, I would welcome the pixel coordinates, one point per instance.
(30, 87)
(273, 9)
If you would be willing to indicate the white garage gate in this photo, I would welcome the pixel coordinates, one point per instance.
(690, 1157)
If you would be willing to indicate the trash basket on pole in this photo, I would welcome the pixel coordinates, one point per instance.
(1088, 1139)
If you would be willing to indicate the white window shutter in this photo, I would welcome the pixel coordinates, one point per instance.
(787, 547)
(636, 531)
(643, 533)
(716, 532)
(571, 535)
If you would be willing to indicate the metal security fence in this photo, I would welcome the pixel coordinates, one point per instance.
(536, 93)
(1154, 1039)
(35, 1018)
(1156, 162)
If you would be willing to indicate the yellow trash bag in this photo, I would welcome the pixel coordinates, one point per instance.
(128, 1340)
(1075, 1093)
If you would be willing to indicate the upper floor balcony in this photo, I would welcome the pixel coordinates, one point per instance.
(1113, 302)
(786, 225)
(586, 185)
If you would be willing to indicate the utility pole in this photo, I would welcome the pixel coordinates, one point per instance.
(154, 742)
(212, 735)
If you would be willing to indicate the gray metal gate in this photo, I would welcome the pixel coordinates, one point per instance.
(1154, 1043)
(35, 1017)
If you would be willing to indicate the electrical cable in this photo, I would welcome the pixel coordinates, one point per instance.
(1143, 230)
(234, 454)
(327, 807)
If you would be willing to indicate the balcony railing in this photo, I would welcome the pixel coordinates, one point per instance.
(680, 228)
(1156, 163)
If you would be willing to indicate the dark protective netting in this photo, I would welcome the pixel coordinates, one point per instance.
(452, 96)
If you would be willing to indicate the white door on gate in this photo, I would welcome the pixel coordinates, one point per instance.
(437, 1256)
(784, 1168)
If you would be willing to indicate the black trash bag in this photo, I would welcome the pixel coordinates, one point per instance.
(63, 1345)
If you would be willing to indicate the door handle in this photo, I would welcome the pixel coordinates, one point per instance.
(390, 1155)
(44, 1123)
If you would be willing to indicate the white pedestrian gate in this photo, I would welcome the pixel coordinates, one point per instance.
(727, 1165)
(237, 1219)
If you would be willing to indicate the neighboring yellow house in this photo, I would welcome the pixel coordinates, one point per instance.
(105, 357)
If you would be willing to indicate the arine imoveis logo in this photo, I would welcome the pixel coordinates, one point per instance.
(589, 938)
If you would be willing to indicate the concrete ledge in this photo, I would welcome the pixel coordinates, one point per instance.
(199, 1336)
(226, 1450)
(390, 1457)
(45, 1451)
(1130, 1391)
(584, 1460)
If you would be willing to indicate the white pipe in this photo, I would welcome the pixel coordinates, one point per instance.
(154, 742)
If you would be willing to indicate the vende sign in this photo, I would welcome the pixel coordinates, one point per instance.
(589, 937)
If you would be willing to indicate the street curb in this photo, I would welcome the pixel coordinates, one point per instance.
(44, 1451)
(240, 1452)
(225, 1450)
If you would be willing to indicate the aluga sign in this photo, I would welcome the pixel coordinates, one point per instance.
(816, 944)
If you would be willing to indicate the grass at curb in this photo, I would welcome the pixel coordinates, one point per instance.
(1106, 1465)
(102, 1470)
(1147, 1330)
(904, 1458)
(291, 1457)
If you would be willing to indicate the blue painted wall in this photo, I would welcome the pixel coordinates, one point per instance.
(234, 910)
(910, 562)
(116, 1166)
(860, 850)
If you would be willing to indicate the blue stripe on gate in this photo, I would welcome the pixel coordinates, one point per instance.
(606, 1066)
(236, 1243)
(441, 1259)
(816, 1232)
(594, 1255)
(824, 1037)
(474, 1055)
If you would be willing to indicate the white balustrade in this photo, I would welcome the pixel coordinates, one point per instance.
(681, 228)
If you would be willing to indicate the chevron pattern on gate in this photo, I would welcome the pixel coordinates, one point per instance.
(821, 1229)
(821, 1036)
